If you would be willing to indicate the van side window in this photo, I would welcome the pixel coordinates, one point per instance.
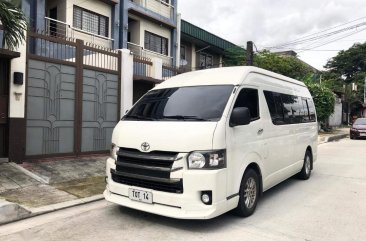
(289, 109)
(311, 110)
(305, 115)
(249, 98)
(275, 107)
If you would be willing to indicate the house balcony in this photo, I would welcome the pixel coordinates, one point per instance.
(140, 51)
(57, 28)
(158, 10)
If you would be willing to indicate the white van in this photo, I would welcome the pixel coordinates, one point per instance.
(205, 142)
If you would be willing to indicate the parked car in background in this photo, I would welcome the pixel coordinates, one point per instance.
(358, 129)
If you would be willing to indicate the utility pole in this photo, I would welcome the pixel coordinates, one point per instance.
(250, 53)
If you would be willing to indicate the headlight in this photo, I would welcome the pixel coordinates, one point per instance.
(207, 159)
(113, 152)
(353, 129)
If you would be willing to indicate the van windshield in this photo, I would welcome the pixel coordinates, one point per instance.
(196, 103)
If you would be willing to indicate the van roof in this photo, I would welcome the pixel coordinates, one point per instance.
(220, 76)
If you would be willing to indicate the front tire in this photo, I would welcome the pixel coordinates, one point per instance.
(305, 172)
(248, 194)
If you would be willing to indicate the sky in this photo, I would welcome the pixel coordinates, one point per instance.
(269, 23)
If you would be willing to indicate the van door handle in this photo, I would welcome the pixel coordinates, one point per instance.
(260, 131)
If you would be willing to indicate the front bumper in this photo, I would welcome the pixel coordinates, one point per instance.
(358, 134)
(187, 205)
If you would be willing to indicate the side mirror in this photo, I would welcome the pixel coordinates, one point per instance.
(240, 116)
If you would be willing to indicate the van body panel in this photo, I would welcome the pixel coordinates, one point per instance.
(183, 136)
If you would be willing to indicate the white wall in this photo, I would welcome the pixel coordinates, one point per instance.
(17, 92)
(336, 118)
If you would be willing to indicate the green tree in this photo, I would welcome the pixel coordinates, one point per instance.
(14, 24)
(286, 65)
(235, 57)
(350, 63)
(349, 66)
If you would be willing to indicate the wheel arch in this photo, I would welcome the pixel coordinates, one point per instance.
(254, 166)
(310, 150)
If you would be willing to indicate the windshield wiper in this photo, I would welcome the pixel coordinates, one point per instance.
(185, 117)
(138, 117)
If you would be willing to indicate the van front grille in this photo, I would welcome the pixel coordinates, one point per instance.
(149, 170)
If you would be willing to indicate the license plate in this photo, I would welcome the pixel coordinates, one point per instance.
(362, 134)
(141, 196)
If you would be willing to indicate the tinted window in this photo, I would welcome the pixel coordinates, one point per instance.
(305, 114)
(311, 110)
(198, 103)
(289, 109)
(275, 107)
(249, 98)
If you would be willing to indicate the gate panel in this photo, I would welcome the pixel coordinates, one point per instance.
(50, 108)
(100, 110)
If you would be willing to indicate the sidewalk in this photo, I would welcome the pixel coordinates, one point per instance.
(333, 135)
(35, 188)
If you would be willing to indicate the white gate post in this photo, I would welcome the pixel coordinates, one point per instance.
(126, 80)
(157, 68)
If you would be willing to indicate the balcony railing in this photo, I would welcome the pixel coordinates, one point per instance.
(158, 6)
(140, 51)
(61, 29)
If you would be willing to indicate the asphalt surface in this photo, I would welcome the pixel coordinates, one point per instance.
(328, 206)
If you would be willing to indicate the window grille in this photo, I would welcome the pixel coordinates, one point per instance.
(90, 21)
(156, 43)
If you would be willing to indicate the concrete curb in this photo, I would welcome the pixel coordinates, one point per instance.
(43, 180)
(10, 212)
(337, 137)
(26, 212)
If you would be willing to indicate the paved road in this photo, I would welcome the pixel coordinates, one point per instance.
(329, 206)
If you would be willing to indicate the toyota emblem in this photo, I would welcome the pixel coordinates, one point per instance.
(145, 146)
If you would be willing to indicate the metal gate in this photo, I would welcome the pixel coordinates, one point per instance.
(73, 93)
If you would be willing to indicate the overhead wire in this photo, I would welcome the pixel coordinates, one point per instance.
(317, 33)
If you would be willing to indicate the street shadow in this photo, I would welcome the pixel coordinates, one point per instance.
(210, 225)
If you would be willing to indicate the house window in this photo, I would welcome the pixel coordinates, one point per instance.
(90, 21)
(206, 61)
(156, 43)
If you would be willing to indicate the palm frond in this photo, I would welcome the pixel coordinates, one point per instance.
(14, 25)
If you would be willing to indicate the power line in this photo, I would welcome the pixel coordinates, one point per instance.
(320, 36)
(326, 30)
(334, 40)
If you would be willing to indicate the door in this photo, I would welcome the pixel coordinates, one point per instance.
(4, 101)
(53, 24)
(244, 143)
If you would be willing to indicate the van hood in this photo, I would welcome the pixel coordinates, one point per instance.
(175, 136)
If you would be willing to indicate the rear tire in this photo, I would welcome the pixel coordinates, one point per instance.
(248, 194)
(305, 172)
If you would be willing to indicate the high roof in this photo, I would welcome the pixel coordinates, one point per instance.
(220, 76)
(205, 36)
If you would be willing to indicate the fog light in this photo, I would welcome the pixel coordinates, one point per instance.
(206, 197)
